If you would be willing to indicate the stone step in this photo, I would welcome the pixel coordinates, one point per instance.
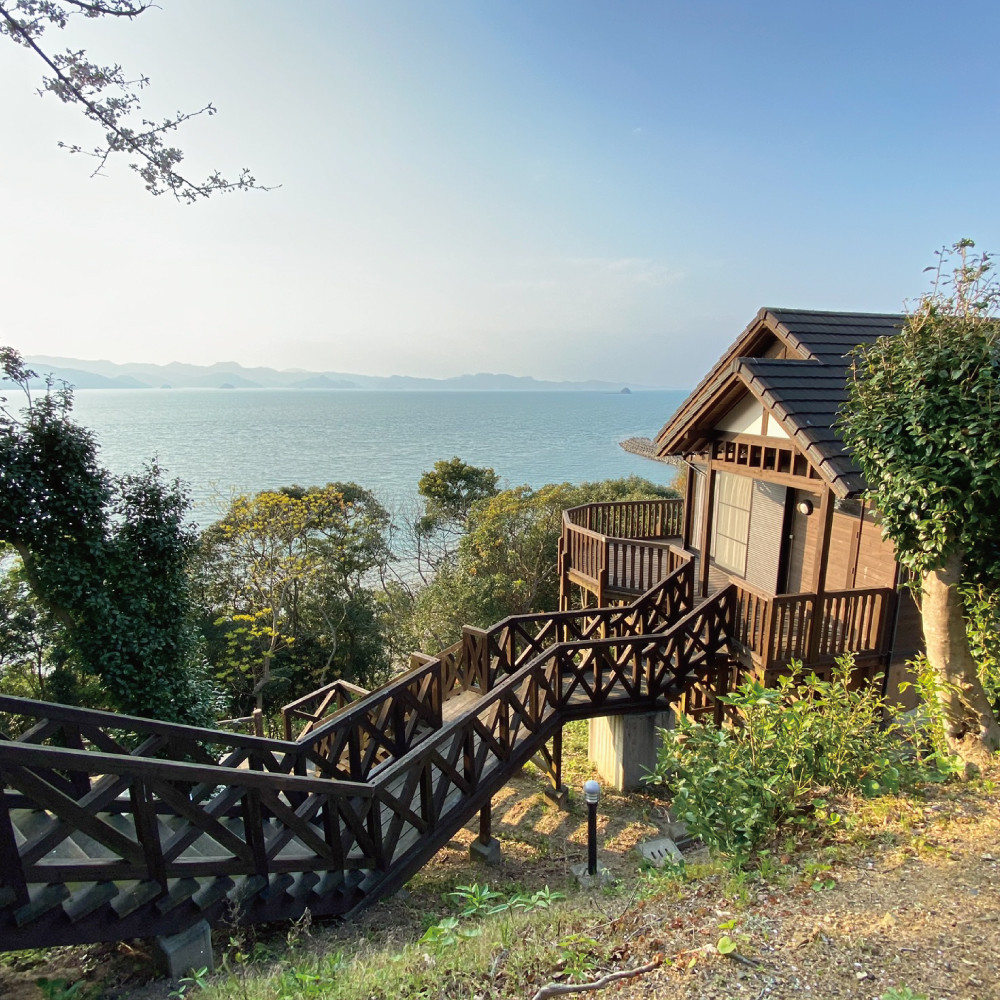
(134, 895)
(212, 892)
(303, 885)
(82, 904)
(179, 890)
(42, 899)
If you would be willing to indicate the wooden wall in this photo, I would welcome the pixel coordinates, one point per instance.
(802, 545)
(859, 557)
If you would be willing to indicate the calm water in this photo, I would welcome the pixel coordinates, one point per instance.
(226, 441)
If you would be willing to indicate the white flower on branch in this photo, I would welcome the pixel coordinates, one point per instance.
(109, 98)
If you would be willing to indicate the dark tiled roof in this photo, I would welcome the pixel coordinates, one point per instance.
(806, 397)
(804, 393)
(827, 336)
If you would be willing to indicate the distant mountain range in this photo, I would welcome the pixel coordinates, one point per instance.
(230, 375)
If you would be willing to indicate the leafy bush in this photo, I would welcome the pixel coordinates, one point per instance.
(791, 746)
(982, 617)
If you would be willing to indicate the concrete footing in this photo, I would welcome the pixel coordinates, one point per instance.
(661, 852)
(623, 747)
(488, 853)
(559, 797)
(588, 881)
(189, 950)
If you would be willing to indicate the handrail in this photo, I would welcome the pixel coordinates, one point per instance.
(104, 764)
(658, 518)
(618, 546)
(385, 826)
(15, 705)
(272, 821)
(778, 629)
(340, 691)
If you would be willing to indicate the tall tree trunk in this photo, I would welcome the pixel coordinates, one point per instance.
(971, 729)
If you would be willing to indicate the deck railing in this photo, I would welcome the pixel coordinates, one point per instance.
(358, 736)
(620, 548)
(120, 827)
(662, 518)
(810, 627)
(304, 713)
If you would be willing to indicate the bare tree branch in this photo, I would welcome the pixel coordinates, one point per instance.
(561, 989)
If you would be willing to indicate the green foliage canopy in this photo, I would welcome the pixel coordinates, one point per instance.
(923, 420)
(285, 574)
(451, 488)
(506, 562)
(106, 557)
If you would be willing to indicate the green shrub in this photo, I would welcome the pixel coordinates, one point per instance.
(791, 746)
(982, 618)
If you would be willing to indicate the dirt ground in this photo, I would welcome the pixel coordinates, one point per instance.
(908, 898)
(923, 915)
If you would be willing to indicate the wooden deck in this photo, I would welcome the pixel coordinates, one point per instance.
(598, 557)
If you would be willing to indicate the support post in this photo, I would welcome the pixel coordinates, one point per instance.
(819, 572)
(706, 527)
(485, 847)
(557, 792)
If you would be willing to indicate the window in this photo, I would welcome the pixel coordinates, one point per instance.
(731, 521)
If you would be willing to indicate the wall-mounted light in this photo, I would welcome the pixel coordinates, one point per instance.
(804, 507)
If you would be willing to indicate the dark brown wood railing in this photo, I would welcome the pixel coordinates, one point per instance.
(375, 729)
(102, 839)
(303, 714)
(811, 627)
(516, 640)
(663, 518)
(620, 548)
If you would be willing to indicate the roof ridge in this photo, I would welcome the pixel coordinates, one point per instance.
(831, 312)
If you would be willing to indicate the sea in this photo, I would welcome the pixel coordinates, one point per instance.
(224, 442)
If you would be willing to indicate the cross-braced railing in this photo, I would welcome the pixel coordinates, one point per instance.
(114, 827)
(616, 550)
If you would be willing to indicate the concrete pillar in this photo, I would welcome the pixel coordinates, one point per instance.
(188, 951)
(623, 747)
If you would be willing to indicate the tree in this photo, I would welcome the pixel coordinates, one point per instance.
(449, 491)
(284, 574)
(451, 488)
(107, 557)
(505, 562)
(923, 420)
(110, 98)
(25, 634)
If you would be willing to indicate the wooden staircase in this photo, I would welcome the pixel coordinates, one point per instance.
(115, 827)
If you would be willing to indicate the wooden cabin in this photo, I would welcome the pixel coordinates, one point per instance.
(773, 506)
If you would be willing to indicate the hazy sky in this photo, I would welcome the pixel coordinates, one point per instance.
(564, 189)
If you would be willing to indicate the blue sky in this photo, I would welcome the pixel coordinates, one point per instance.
(564, 189)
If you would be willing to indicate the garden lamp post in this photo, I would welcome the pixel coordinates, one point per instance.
(592, 793)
